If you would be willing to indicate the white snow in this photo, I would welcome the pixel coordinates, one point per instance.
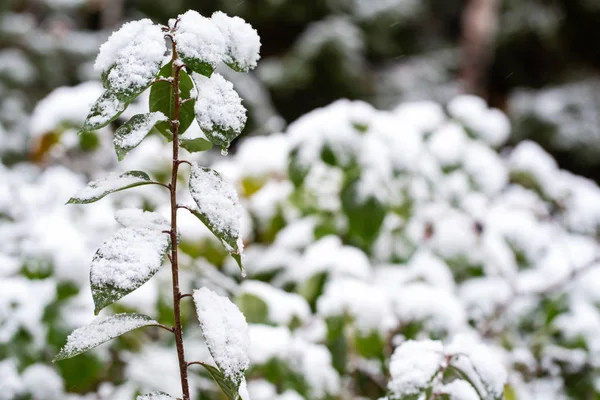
(226, 332)
(113, 182)
(218, 201)
(413, 365)
(101, 330)
(243, 42)
(218, 106)
(138, 131)
(368, 306)
(198, 37)
(43, 382)
(106, 107)
(132, 56)
(460, 390)
(133, 254)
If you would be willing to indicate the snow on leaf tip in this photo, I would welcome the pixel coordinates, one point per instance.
(101, 330)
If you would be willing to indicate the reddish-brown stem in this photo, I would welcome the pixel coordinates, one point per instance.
(185, 295)
(195, 362)
(177, 330)
(164, 327)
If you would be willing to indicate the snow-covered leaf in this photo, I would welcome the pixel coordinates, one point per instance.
(243, 42)
(218, 208)
(226, 332)
(101, 330)
(162, 98)
(155, 396)
(130, 258)
(114, 182)
(219, 110)
(131, 57)
(131, 133)
(106, 109)
(200, 43)
(229, 388)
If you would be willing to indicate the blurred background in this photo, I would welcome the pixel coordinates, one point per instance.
(412, 214)
(537, 60)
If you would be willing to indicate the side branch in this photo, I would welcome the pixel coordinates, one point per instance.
(164, 327)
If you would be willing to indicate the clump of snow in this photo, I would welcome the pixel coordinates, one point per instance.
(199, 38)
(133, 254)
(489, 124)
(219, 109)
(132, 56)
(413, 365)
(460, 390)
(330, 255)
(243, 42)
(448, 144)
(11, 385)
(369, 306)
(101, 330)
(43, 382)
(226, 332)
(480, 363)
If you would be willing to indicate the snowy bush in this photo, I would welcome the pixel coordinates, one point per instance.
(396, 254)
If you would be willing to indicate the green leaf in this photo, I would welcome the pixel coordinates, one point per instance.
(101, 330)
(155, 396)
(296, 170)
(162, 98)
(106, 109)
(365, 216)
(197, 65)
(195, 145)
(132, 132)
(218, 208)
(229, 388)
(253, 307)
(98, 189)
(130, 258)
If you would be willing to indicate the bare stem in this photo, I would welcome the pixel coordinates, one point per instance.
(195, 362)
(164, 327)
(177, 330)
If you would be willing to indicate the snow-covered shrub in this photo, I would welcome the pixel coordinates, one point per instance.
(396, 254)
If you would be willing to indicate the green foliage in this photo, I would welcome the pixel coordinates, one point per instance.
(229, 388)
(162, 98)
